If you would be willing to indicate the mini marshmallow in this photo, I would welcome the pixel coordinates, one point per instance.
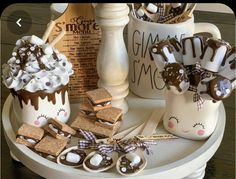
(26, 38)
(53, 128)
(151, 8)
(192, 50)
(36, 40)
(133, 158)
(175, 5)
(96, 160)
(140, 12)
(213, 54)
(19, 42)
(31, 141)
(47, 49)
(72, 157)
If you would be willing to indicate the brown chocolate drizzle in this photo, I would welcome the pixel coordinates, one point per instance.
(233, 65)
(192, 43)
(175, 43)
(23, 55)
(26, 96)
(172, 76)
(231, 52)
(214, 44)
(160, 46)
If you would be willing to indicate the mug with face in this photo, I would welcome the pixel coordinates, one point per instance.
(36, 108)
(144, 77)
(183, 118)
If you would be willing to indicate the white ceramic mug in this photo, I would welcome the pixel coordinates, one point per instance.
(183, 118)
(38, 116)
(144, 78)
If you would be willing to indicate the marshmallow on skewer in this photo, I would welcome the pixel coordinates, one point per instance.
(213, 54)
(192, 50)
(227, 68)
(175, 78)
(177, 49)
(162, 53)
(152, 8)
(215, 88)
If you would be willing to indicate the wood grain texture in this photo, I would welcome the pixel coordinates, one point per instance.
(222, 165)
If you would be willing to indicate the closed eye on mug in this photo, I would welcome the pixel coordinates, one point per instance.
(199, 124)
(173, 117)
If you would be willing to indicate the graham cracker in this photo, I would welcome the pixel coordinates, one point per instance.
(30, 131)
(110, 114)
(24, 142)
(64, 127)
(50, 145)
(99, 95)
(88, 124)
(86, 106)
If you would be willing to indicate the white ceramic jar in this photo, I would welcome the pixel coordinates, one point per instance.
(36, 108)
(183, 118)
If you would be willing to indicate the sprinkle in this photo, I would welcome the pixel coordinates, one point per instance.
(123, 169)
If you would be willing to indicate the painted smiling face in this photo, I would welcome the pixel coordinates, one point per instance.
(183, 119)
(38, 114)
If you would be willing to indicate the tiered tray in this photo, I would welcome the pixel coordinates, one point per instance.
(171, 159)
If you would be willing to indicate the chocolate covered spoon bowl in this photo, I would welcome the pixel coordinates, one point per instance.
(72, 157)
(131, 164)
(99, 162)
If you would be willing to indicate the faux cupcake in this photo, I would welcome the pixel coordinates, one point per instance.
(37, 75)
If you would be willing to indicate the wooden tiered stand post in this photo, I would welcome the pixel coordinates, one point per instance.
(112, 59)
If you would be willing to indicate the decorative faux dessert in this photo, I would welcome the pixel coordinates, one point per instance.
(29, 135)
(203, 75)
(98, 162)
(59, 130)
(97, 114)
(131, 164)
(99, 99)
(72, 157)
(168, 13)
(37, 75)
(50, 147)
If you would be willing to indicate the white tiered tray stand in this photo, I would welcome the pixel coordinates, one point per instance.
(171, 159)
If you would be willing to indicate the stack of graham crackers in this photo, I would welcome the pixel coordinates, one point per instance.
(97, 114)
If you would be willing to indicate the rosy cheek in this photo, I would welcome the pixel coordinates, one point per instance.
(200, 132)
(65, 114)
(36, 122)
(170, 124)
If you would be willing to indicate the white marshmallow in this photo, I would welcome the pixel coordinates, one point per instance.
(133, 158)
(189, 48)
(140, 12)
(26, 38)
(53, 128)
(175, 5)
(96, 160)
(72, 157)
(47, 49)
(36, 40)
(31, 141)
(151, 8)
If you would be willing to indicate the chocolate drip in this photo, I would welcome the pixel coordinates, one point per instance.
(23, 54)
(172, 76)
(231, 52)
(233, 65)
(192, 43)
(175, 43)
(160, 46)
(214, 44)
(26, 96)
